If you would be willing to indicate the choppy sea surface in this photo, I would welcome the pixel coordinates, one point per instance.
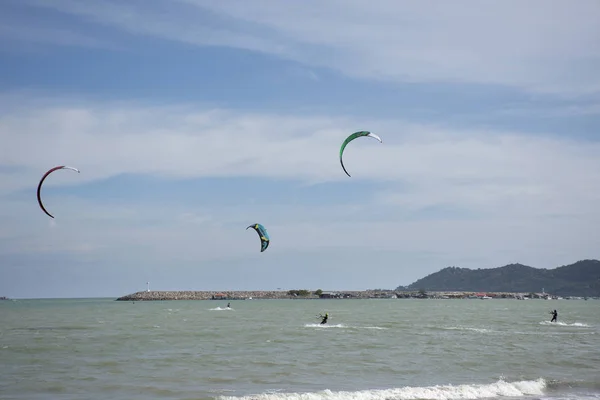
(378, 349)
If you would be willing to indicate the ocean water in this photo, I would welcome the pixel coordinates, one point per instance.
(390, 349)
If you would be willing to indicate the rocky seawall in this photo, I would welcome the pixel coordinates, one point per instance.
(208, 295)
(274, 294)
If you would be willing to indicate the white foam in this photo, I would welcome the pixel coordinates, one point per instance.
(372, 327)
(343, 326)
(466, 328)
(500, 388)
(579, 324)
(325, 326)
(221, 309)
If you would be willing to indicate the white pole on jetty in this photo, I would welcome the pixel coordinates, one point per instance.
(147, 286)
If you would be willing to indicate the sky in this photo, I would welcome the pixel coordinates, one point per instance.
(191, 120)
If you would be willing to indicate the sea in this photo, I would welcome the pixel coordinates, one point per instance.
(376, 349)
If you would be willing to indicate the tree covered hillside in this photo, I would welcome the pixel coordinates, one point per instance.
(579, 279)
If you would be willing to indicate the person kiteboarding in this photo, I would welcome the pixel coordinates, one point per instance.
(324, 318)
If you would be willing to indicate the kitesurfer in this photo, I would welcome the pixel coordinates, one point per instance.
(228, 305)
(324, 318)
(554, 316)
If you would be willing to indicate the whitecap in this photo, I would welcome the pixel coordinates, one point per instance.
(500, 388)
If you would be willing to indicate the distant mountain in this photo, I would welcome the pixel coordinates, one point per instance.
(579, 279)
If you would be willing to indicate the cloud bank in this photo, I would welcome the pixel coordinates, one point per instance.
(535, 46)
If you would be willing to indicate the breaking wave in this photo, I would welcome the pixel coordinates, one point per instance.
(440, 392)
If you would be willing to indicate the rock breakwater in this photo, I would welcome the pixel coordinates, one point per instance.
(207, 295)
(155, 295)
(237, 295)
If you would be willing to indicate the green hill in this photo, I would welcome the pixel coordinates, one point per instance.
(579, 279)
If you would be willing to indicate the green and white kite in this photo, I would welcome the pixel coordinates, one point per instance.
(351, 138)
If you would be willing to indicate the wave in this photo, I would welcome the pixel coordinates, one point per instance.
(325, 326)
(221, 309)
(342, 326)
(500, 388)
(578, 324)
(466, 328)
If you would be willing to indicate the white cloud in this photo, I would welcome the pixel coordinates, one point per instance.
(535, 45)
(532, 199)
(104, 140)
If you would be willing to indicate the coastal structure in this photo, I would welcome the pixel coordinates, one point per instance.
(580, 280)
(305, 294)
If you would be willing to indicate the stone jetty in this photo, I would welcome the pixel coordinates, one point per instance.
(305, 294)
(212, 295)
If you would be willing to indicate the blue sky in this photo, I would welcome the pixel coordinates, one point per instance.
(191, 119)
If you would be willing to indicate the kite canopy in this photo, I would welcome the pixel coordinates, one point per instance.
(351, 138)
(262, 234)
(39, 188)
